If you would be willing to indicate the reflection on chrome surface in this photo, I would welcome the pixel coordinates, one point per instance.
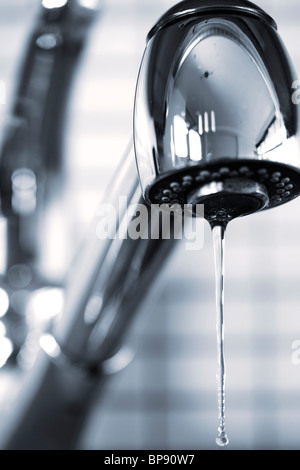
(213, 113)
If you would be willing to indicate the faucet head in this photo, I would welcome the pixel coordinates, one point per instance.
(214, 118)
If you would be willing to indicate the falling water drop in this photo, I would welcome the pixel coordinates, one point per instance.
(218, 232)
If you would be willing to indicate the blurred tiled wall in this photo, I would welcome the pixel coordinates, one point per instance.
(166, 398)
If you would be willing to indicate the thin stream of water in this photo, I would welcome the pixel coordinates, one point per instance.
(218, 232)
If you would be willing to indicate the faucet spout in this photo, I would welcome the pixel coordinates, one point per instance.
(217, 107)
(204, 133)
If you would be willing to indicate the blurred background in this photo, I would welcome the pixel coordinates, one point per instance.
(167, 397)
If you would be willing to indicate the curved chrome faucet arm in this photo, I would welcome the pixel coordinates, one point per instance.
(108, 283)
(32, 144)
(117, 273)
(111, 278)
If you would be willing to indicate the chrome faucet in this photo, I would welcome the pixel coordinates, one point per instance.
(214, 124)
(32, 163)
(99, 306)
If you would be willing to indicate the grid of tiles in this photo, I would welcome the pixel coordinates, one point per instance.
(166, 398)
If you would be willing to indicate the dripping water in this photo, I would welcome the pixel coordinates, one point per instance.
(218, 232)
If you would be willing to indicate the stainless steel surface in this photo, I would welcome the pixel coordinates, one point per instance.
(117, 275)
(165, 398)
(99, 304)
(33, 164)
(225, 200)
(32, 157)
(214, 100)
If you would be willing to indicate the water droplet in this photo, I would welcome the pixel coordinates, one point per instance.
(222, 440)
